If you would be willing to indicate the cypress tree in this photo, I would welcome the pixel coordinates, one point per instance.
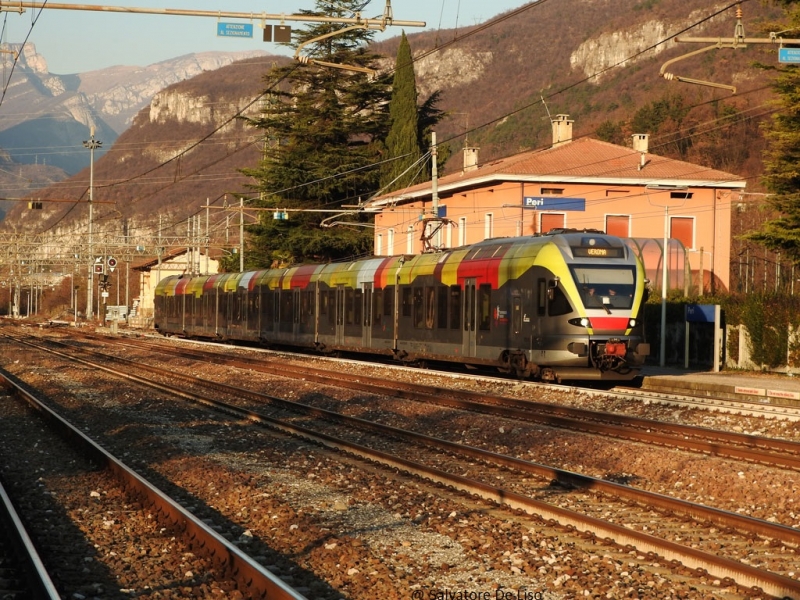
(403, 149)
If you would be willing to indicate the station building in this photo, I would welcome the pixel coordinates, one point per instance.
(580, 184)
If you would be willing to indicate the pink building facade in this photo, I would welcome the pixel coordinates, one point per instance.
(580, 184)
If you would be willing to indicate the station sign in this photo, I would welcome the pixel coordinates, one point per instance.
(553, 203)
(238, 30)
(700, 313)
(789, 55)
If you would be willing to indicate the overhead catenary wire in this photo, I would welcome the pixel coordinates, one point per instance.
(439, 48)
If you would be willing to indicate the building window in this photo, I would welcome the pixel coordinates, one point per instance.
(462, 231)
(488, 226)
(681, 195)
(550, 221)
(390, 242)
(682, 229)
(619, 225)
(410, 240)
(448, 240)
(379, 244)
(552, 191)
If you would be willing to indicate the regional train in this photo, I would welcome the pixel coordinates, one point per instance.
(553, 307)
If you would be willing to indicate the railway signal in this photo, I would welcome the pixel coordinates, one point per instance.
(112, 263)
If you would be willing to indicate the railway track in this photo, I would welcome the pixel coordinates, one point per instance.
(756, 553)
(216, 554)
(726, 444)
(22, 573)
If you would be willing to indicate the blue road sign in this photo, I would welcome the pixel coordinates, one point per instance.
(789, 55)
(239, 30)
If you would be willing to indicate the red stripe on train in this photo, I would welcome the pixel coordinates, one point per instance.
(610, 322)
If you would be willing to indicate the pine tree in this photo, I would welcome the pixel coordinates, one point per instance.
(782, 159)
(324, 129)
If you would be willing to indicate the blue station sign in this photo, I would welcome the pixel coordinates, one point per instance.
(239, 30)
(789, 55)
(700, 313)
(553, 203)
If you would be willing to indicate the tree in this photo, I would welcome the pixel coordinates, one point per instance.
(782, 158)
(323, 128)
(403, 149)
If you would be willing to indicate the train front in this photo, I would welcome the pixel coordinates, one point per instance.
(607, 288)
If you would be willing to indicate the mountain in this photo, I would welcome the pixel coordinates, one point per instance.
(45, 116)
(596, 60)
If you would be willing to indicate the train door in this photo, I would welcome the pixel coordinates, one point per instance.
(340, 314)
(515, 334)
(297, 312)
(366, 314)
(469, 310)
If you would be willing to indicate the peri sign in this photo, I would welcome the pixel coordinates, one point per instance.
(553, 203)
(239, 30)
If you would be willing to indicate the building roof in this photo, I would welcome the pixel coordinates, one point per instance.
(170, 255)
(584, 160)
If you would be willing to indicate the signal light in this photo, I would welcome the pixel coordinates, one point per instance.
(112, 263)
(98, 268)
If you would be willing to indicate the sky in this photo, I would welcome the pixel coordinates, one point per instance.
(77, 41)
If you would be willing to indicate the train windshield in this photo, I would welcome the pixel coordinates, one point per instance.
(605, 287)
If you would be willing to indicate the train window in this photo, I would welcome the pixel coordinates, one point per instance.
(559, 305)
(331, 306)
(269, 305)
(286, 306)
(430, 307)
(222, 299)
(388, 301)
(611, 287)
(377, 306)
(455, 306)
(348, 306)
(252, 307)
(407, 302)
(323, 303)
(358, 303)
(442, 301)
(541, 297)
(484, 307)
(419, 307)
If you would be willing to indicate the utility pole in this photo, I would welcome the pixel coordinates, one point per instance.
(92, 145)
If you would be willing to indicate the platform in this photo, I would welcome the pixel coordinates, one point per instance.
(761, 387)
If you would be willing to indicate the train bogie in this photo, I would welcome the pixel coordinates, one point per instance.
(552, 307)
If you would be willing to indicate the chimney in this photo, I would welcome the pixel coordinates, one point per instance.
(640, 142)
(562, 130)
(470, 158)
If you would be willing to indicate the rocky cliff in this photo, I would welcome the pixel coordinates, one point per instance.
(46, 116)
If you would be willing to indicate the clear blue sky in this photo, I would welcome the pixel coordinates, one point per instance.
(73, 41)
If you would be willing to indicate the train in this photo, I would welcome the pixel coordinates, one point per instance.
(551, 307)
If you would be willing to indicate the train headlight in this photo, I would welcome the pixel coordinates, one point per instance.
(580, 322)
(632, 323)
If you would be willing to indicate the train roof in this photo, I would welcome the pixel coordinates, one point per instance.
(494, 261)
